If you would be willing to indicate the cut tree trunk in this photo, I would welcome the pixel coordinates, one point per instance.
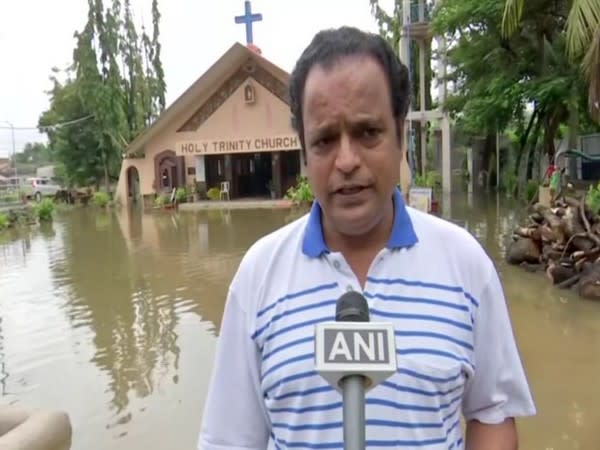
(523, 250)
(563, 240)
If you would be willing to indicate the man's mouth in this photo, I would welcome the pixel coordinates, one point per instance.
(350, 190)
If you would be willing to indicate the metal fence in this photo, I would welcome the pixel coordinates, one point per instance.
(590, 144)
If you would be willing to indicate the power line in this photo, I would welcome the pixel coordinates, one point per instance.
(48, 127)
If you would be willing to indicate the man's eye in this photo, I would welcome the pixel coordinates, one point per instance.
(371, 132)
(323, 142)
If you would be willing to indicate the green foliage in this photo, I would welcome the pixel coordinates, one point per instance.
(36, 153)
(531, 189)
(44, 210)
(181, 195)
(509, 183)
(112, 91)
(3, 221)
(431, 179)
(29, 215)
(593, 198)
(161, 200)
(101, 199)
(301, 192)
(389, 24)
(522, 82)
(213, 193)
(9, 197)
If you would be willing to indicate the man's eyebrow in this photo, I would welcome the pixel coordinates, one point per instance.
(367, 120)
(326, 128)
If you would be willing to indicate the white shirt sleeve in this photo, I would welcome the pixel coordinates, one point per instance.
(499, 388)
(234, 413)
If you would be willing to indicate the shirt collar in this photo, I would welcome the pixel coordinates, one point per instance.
(402, 235)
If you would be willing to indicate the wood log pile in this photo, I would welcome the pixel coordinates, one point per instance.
(564, 241)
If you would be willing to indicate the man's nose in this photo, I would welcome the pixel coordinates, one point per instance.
(347, 158)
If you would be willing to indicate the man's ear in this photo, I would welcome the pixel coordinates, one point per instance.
(405, 173)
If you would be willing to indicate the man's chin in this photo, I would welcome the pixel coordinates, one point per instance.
(354, 221)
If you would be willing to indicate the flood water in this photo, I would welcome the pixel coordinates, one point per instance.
(113, 317)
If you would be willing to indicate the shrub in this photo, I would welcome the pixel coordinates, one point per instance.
(593, 198)
(531, 189)
(430, 179)
(301, 192)
(161, 200)
(3, 221)
(213, 193)
(44, 210)
(101, 199)
(180, 195)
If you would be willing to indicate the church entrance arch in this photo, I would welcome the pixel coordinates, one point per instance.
(133, 184)
(169, 171)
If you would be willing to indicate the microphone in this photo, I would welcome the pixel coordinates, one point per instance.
(354, 355)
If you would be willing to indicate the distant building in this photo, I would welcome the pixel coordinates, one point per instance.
(5, 167)
(45, 172)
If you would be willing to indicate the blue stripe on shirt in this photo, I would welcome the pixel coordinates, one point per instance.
(402, 371)
(291, 312)
(295, 326)
(288, 361)
(304, 393)
(442, 287)
(369, 443)
(368, 422)
(294, 377)
(428, 317)
(430, 334)
(414, 374)
(429, 351)
(401, 388)
(368, 401)
(423, 300)
(288, 345)
(298, 294)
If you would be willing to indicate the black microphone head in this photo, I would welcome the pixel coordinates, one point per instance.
(352, 307)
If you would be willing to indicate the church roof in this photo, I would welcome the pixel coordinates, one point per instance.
(204, 86)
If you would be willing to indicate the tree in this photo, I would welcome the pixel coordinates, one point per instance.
(36, 153)
(109, 82)
(582, 39)
(522, 81)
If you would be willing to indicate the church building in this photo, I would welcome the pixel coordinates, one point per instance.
(232, 125)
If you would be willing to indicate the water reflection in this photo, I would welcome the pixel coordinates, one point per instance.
(109, 294)
(113, 316)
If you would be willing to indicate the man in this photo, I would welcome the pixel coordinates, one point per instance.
(455, 348)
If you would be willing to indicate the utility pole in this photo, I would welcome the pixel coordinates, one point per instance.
(12, 131)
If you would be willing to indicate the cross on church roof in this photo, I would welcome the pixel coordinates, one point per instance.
(247, 19)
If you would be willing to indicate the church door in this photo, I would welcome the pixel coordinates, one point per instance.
(169, 171)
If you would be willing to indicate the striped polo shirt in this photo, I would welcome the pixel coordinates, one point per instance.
(455, 349)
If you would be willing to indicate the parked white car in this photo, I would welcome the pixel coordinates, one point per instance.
(40, 187)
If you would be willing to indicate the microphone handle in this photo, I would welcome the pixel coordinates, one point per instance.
(353, 391)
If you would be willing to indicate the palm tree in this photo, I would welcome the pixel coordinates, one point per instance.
(583, 38)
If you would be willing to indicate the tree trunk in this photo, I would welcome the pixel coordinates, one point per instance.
(523, 141)
(530, 152)
(106, 176)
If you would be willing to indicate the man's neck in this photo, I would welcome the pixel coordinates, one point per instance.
(371, 242)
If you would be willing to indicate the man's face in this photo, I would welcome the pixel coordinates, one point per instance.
(353, 152)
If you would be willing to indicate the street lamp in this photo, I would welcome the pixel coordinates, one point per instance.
(12, 130)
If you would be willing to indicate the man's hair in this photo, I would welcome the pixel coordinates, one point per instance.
(327, 47)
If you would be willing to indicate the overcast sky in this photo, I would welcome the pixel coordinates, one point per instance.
(36, 35)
